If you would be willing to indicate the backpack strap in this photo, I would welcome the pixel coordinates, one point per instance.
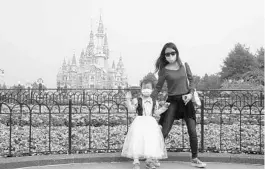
(139, 109)
(154, 105)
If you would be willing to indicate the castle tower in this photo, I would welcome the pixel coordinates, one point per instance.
(100, 37)
(106, 46)
(91, 45)
(101, 57)
(64, 67)
(73, 65)
(82, 59)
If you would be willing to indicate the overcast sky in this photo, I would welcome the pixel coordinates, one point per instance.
(36, 35)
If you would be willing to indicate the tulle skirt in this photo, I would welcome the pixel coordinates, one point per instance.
(144, 139)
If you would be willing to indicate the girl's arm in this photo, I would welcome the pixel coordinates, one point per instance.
(131, 104)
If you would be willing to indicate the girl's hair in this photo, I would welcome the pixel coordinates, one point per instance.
(161, 62)
(146, 81)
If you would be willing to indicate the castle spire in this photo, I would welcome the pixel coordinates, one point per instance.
(106, 40)
(64, 64)
(100, 26)
(82, 57)
(91, 40)
(113, 65)
(120, 63)
(74, 59)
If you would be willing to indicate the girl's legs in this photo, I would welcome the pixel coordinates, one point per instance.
(136, 160)
(191, 126)
(136, 163)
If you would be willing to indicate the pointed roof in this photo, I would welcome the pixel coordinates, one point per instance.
(82, 53)
(113, 65)
(120, 63)
(100, 25)
(74, 60)
(64, 62)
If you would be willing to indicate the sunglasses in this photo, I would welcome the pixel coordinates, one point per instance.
(171, 53)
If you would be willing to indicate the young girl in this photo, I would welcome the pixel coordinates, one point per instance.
(144, 138)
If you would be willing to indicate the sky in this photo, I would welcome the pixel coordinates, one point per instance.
(36, 35)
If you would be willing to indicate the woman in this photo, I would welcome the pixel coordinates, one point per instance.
(171, 69)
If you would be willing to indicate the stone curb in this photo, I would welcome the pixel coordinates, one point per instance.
(20, 162)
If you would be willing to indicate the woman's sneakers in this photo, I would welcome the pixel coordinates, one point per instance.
(197, 163)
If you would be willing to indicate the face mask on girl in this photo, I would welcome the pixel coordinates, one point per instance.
(146, 92)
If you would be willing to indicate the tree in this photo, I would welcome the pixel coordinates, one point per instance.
(212, 81)
(150, 76)
(256, 74)
(4, 86)
(238, 62)
(240, 84)
(260, 58)
(197, 80)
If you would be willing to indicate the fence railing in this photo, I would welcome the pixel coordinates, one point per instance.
(82, 121)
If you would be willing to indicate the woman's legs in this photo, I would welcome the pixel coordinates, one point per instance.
(191, 126)
(168, 119)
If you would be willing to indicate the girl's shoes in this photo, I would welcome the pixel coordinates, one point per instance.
(150, 165)
(156, 163)
(136, 166)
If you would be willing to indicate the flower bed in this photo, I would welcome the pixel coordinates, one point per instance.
(112, 137)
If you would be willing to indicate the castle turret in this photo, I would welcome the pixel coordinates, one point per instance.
(91, 45)
(74, 60)
(100, 36)
(106, 46)
(113, 65)
(74, 66)
(82, 59)
(64, 67)
(120, 65)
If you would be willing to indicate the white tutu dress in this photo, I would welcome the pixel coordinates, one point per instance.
(144, 138)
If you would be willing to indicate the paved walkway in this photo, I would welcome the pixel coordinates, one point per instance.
(115, 161)
(164, 165)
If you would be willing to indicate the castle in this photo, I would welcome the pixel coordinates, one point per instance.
(93, 70)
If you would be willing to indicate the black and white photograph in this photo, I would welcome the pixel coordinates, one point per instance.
(132, 84)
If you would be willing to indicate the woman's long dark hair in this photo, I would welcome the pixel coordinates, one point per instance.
(161, 62)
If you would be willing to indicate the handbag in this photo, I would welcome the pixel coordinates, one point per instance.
(195, 97)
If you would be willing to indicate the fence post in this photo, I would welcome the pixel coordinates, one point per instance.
(202, 126)
(70, 127)
(84, 97)
(260, 98)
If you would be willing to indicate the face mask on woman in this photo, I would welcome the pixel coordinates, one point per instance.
(146, 92)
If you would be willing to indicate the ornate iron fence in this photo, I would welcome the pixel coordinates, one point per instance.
(34, 121)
